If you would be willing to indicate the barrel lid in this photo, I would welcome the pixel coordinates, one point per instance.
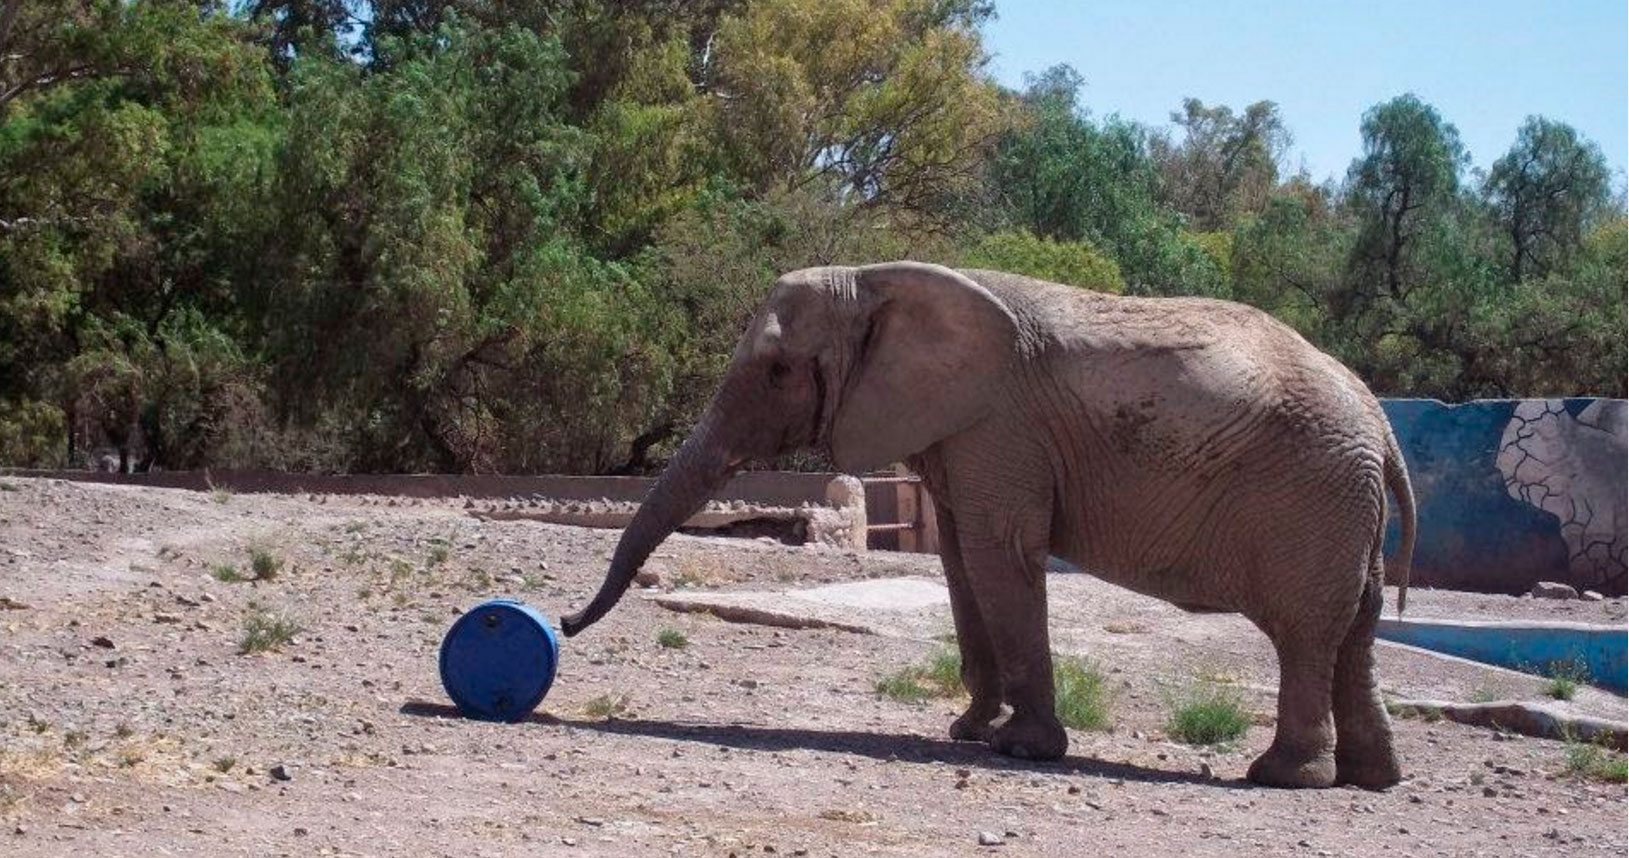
(498, 660)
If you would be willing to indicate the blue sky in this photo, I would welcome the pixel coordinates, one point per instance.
(1485, 66)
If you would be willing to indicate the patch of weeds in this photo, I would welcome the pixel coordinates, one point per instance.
(672, 639)
(7, 487)
(439, 552)
(1485, 694)
(1593, 762)
(75, 739)
(353, 556)
(606, 706)
(400, 570)
(38, 724)
(1427, 714)
(263, 632)
(1081, 693)
(124, 731)
(265, 565)
(941, 676)
(220, 495)
(356, 527)
(1206, 713)
(226, 572)
(128, 758)
(1565, 677)
(480, 579)
(224, 764)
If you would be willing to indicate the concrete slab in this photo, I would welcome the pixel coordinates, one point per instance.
(892, 607)
(880, 594)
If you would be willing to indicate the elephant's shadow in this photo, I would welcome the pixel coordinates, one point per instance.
(899, 747)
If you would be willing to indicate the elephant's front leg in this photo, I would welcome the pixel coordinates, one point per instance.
(979, 671)
(1004, 552)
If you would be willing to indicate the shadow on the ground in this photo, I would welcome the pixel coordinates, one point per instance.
(901, 747)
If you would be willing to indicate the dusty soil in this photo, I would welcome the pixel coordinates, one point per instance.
(131, 724)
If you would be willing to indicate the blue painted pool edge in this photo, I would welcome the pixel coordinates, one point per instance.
(1530, 647)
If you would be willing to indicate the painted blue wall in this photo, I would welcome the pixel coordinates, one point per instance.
(1512, 492)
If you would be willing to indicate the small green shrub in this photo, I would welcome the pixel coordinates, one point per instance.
(265, 565)
(1082, 694)
(264, 631)
(672, 639)
(1565, 677)
(225, 764)
(606, 706)
(1484, 694)
(1593, 762)
(1206, 713)
(438, 554)
(940, 677)
(7, 487)
(220, 496)
(226, 572)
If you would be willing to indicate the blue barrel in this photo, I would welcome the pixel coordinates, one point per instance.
(498, 660)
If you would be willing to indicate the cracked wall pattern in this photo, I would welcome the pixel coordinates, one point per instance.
(1571, 464)
(1511, 492)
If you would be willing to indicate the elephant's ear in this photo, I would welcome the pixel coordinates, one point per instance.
(934, 346)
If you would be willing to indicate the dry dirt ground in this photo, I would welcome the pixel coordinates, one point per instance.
(130, 724)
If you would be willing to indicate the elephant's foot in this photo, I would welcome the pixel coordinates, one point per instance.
(1293, 769)
(974, 724)
(1030, 738)
(1374, 770)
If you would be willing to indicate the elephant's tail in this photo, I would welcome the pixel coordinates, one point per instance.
(1396, 473)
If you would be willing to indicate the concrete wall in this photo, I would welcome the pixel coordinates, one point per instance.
(1512, 492)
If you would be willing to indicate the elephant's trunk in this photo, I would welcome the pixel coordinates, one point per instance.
(701, 465)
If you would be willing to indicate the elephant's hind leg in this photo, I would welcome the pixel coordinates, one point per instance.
(1364, 755)
(979, 673)
(1302, 751)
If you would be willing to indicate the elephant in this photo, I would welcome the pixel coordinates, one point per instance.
(1193, 450)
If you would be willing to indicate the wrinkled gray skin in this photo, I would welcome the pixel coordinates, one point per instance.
(1189, 449)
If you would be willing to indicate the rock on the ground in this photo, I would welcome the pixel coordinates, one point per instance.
(1554, 590)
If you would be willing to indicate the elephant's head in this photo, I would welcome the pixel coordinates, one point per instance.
(871, 364)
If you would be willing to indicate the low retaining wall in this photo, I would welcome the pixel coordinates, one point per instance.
(1530, 647)
(1513, 492)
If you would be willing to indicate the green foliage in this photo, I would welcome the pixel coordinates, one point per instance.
(672, 639)
(265, 631)
(31, 434)
(1075, 263)
(226, 573)
(1592, 761)
(1225, 166)
(1565, 677)
(525, 237)
(264, 565)
(1081, 692)
(940, 676)
(605, 706)
(1064, 176)
(1207, 713)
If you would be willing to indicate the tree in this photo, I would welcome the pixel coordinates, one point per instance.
(1225, 166)
(882, 99)
(1063, 176)
(1074, 263)
(1547, 191)
(1401, 189)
